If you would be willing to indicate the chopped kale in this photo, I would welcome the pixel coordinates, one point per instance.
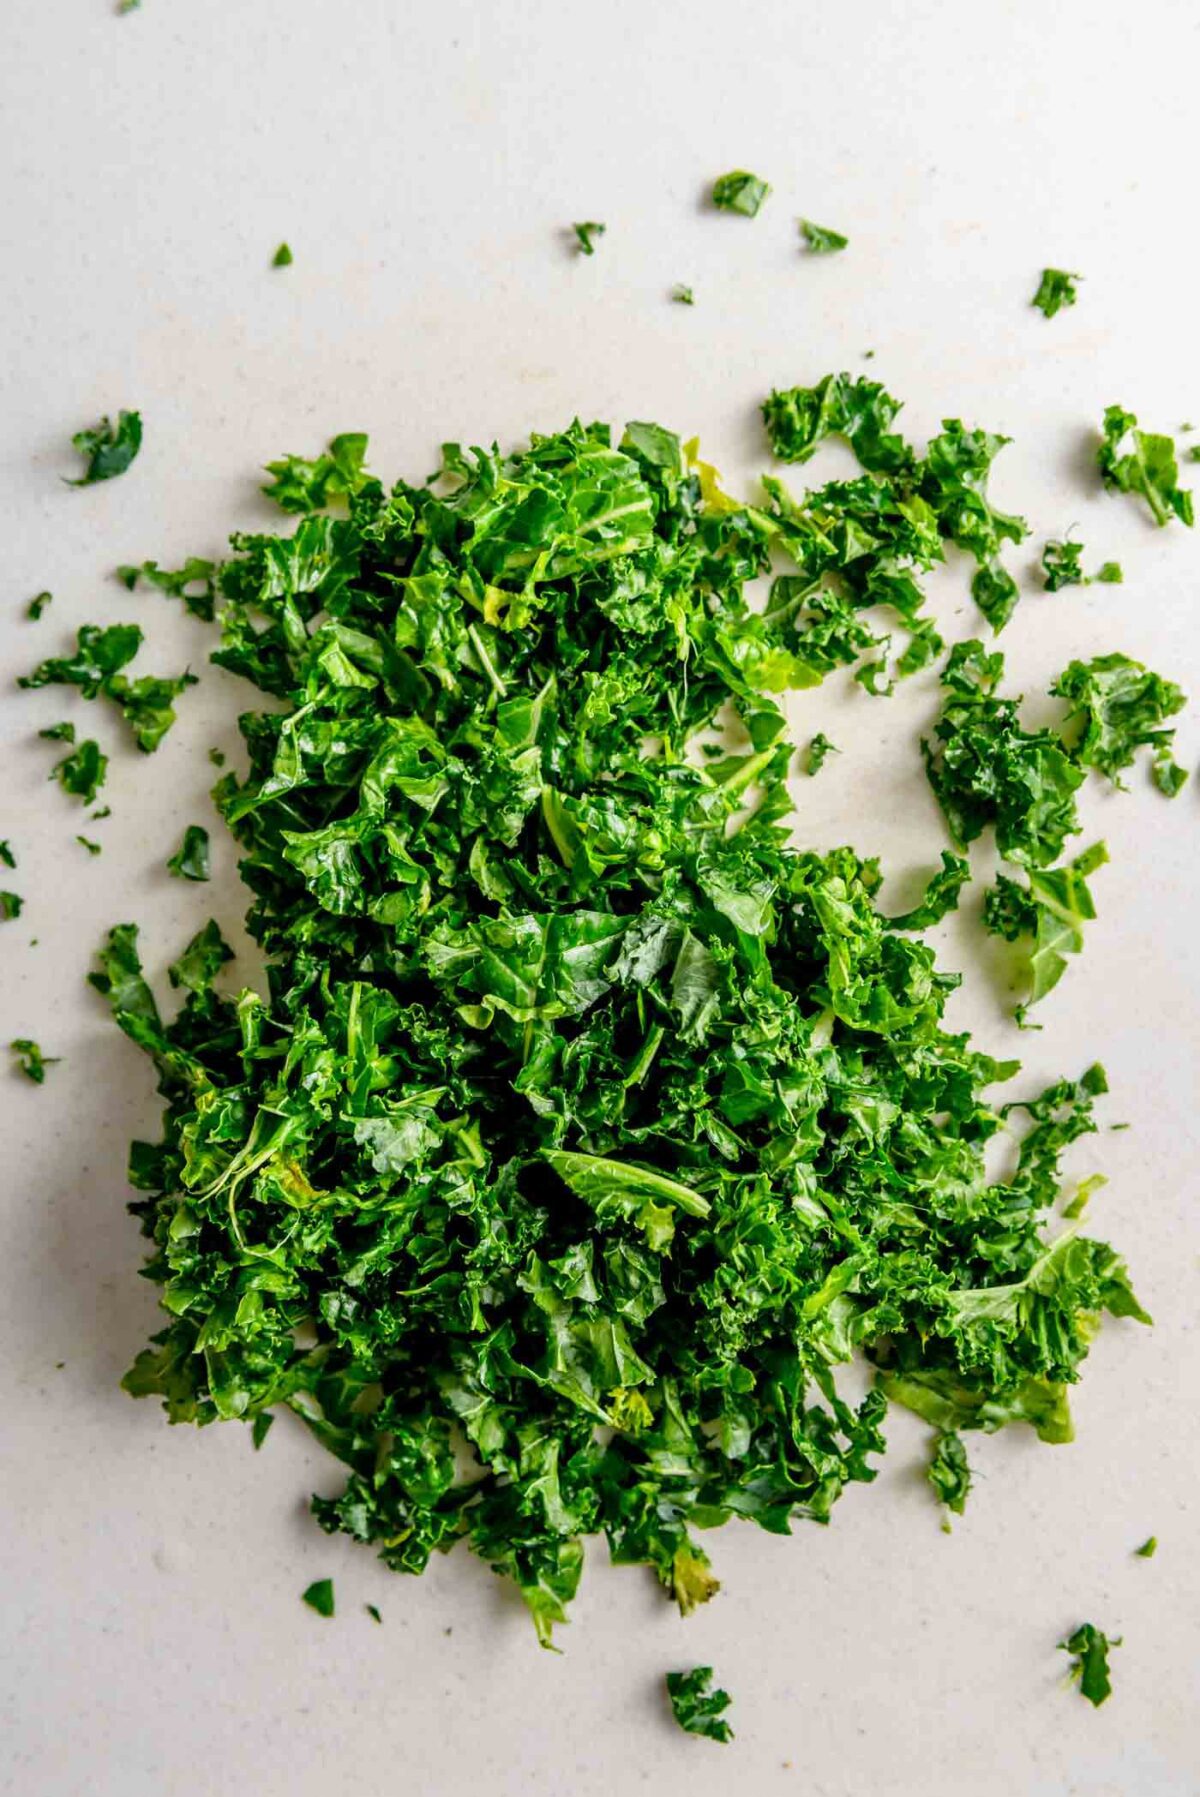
(1148, 1548)
(1055, 290)
(683, 296)
(193, 583)
(1134, 461)
(1052, 908)
(1109, 574)
(93, 848)
(108, 449)
(30, 1059)
(147, 703)
(739, 191)
(1089, 1648)
(949, 1471)
(1061, 565)
(818, 749)
(373, 1612)
(585, 236)
(6, 854)
(260, 1427)
(11, 906)
(1122, 707)
(820, 240)
(191, 859)
(319, 1597)
(696, 1706)
(38, 604)
(941, 895)
(283, 257)
(82, 772)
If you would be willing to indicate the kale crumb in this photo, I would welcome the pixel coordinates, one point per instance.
(1089, 1648)
(38, 604)
(697, 1708)
(683, 296)
(32, 1062)
(107, 449)
(739, 191)
(585, 234)
(283, 257)
(373, 1612)
(319, 1597)
(1148, 1548)
(1055, 290)
(820, 240)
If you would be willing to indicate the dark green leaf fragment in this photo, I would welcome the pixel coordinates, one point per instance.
(1052, 908)
(93, 848)
(1135, 461)
(11, 905)
(32, 1062)
(820, 240)
(1148, 1548)
(6, 854)
(1056, 289)
(1122, 707)
(1061, 565)
(1089, 1648)
(818, 749)
(38, 604)
(319, 1596)
(586, 234)
(303, 486)
(696, 1706)
(283, 257)
(260, 1427)
(373, 1612)
(197, 967)
(191, 859)
(194, 583)
(941, 895)
(949, 1471)
(1109, 574)
(82, 772)
(739, 191)
(798, 419)
(108, 449)
(683, 296)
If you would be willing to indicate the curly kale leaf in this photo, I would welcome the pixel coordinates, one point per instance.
(696, 1706)
(1089, 1648)
(1056, 289)
(107, 448)
(1122, 707)
(739, 191)
(1135, 461)
(1052, 908)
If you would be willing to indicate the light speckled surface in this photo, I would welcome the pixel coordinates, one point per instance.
(423, 161)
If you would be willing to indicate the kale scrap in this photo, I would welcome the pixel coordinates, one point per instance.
(583, 1119)
(696, 1706)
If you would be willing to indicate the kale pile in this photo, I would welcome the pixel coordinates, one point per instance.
(588, 1126)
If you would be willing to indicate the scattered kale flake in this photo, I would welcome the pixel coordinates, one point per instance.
(82, 772)
(107, 449)
(1134, 461)
(191, 859)
(1052, 909)
(820, 240)
(818, 749)
(940, 898)
(147, 703)
(1109, 574)
(1148, 1548)
(11, 906)
(1122, 707)
(1055, 290)
(696, 1706)
(319, 1597)
(32, 1062)
(193, 583)
(6, 854)
(585, 234)
(1089, 1648)
(93, 848)
(683, 296)
(260, 1427)
(373, 1612)
(739, 192)
(283, 257)
(1061, 565)
(949, 1472)
(38, 604)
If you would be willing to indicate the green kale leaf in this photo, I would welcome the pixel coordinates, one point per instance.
(32, 1062)
(1135, 461)
(108, 449)
(1122, 707)
(1056, 289)
(820, 240)
(739, 192)
(696, 1706)
(1089, 1648)
(191, 859)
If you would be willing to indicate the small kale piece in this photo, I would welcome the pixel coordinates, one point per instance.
(59, 733)
(319, 1597)
(1148, 1548)
(191, 859)
(818, 749)
(1123, 707)
(739, 191)
(373, 1612)
(798, 419)
(107, 449)
(683, 296)
(197, 967)
(93, 848)
(33, 1063)
(6, 853)
(585, 235)
(820, 240)
(1134, 461)
(1061, 565)
(194, 583)
(303, 486)
(283, 257)
(1109, 574)
(696, 1707)
(986, 769)
(1090, 1648)
(100, 652)
(38, 604)
(1053, 909)
(949, 1471)
(260, 1428)
(82, 772)
(11, 906)
(940, 897)
(1055, 290)
(147, 704)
